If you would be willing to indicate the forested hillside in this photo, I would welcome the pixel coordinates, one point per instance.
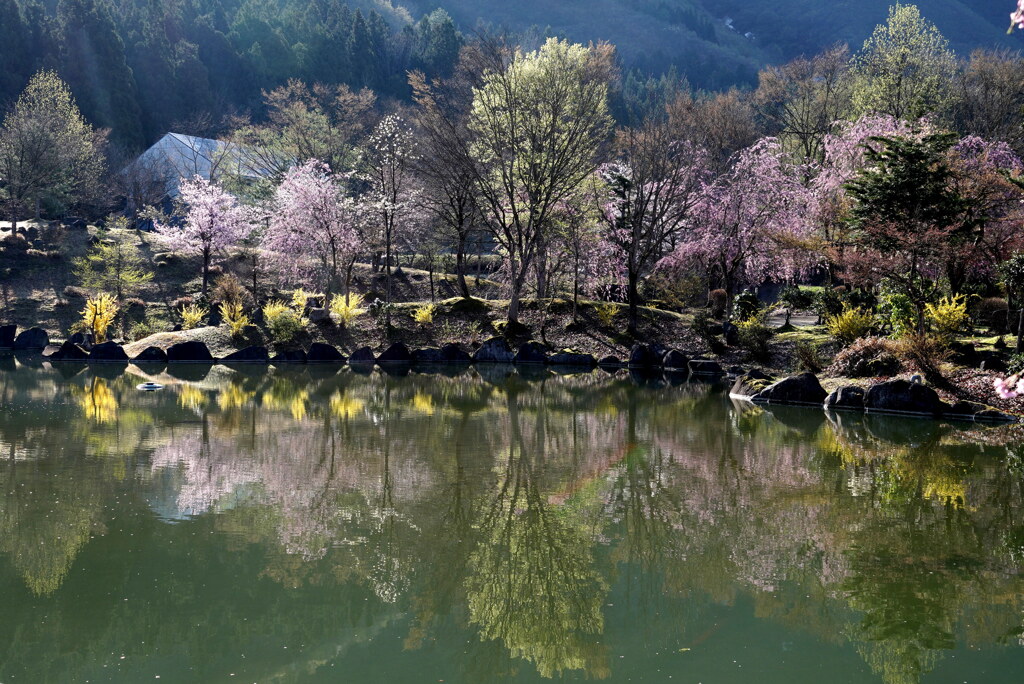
(142, 68)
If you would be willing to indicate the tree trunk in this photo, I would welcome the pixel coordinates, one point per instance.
(206, 271)
(633, 297)
(1020, 331)
(460, 266)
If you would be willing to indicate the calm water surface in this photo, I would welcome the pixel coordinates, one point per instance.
(312, 525)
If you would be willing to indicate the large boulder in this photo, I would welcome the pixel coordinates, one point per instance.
(428, 355)
(610, 361)
(849, 398)
(253, 354)
(531, 352)
(675, 359)
(705, 367)
(362, 355)
(7, 333)
(396, 353)
(494, 350)
(107, 352)
(320, 352)
(83, 340)
(151, 355)
(566, 358)
(964, 353)
(453, 353)
(750, 383)
(189, 352)
(69, 351)
(796, 389)
(33, 339)
(319, 315)
(903, 396)
(642, 356)
(290, 356)
(972, 410)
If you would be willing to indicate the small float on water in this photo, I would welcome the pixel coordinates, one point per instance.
(149, 386)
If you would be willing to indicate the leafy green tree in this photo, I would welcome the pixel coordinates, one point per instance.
(114, 264)
(536, 122)
(905, 215)
(905, 68)
(50, 158)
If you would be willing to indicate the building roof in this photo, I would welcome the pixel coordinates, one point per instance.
(176, 156)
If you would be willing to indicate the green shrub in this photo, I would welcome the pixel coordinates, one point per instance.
(703, 327)
(140, 330)
(381, 311)
(747, 305)
(795, 299)
(827, 303)
(754, 334)
(807, 357)
(899, 310)
(850, 324)
(347, 309)
(283, 322)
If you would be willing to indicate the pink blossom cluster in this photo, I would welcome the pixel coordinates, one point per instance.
(1017, 16)
(213, 218)
(314, 226)
(1009, 388)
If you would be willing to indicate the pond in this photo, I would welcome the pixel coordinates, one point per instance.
(314, 524)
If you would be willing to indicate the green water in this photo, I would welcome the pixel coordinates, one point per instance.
(315, 525)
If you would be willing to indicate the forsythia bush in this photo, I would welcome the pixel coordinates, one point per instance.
(347, 311)
(98, 315)
(606, 312)
(192, 315)
(282, 321)
(424, 315)
(850, 324)
(948, 317)
(234, 317)
(300, 298)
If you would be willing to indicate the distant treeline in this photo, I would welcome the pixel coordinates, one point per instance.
(139, 68)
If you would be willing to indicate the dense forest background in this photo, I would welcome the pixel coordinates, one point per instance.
(142, 67)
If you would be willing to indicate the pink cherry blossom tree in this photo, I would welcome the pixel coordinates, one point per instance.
(750, 224)
(845, 151)
(315, 227)
(211, 220)
(649, 195)
(1017, 16)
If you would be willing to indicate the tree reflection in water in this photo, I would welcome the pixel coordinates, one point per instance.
(488, 507)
